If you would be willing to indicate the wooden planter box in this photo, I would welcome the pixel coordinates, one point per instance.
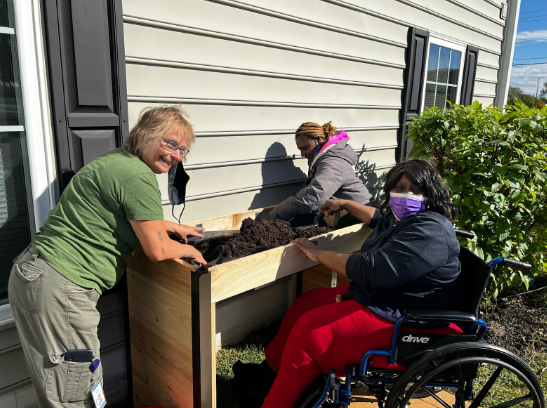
(172, 312)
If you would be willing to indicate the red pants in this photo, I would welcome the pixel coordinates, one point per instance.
(319, 334)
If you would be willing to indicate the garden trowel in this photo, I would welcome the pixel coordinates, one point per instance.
(315, 223)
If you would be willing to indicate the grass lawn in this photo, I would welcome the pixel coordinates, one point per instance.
(507, 388)
(250, 350)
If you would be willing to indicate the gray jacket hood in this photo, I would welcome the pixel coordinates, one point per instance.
(341, 150)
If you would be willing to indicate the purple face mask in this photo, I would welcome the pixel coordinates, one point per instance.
(405, 205)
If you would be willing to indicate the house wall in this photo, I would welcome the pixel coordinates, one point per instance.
(250, 72)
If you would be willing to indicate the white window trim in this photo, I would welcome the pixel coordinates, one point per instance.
(36, 109)
(447, 44)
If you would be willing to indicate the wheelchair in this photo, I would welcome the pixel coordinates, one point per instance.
(427, 363)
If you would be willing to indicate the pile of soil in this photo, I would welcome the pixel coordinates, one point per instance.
(519, 323)
(256, 236)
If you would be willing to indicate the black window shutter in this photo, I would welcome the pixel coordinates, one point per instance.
(469, 73)
(87, 80)
(416, 54)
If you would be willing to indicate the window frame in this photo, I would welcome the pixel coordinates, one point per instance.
(36, 125)
(462, 48)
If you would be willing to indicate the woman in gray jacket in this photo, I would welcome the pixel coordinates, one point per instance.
(330, 175)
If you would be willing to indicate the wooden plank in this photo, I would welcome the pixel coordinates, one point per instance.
(250, 272)
(321, 277)
(225, 222)
(317, 277)
(233, 221)
(161, 337)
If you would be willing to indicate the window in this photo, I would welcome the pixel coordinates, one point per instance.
(14, 177)
(443, 77)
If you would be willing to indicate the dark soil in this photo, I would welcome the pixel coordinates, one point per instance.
(256, 236)
(518, 322)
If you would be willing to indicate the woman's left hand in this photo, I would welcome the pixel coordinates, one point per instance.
(182, 231)
(308, 248)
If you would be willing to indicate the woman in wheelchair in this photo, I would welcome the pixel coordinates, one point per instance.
(409, 261)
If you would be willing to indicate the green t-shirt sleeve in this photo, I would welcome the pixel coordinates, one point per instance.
(141, 199)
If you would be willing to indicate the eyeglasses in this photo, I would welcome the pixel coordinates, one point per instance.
(172, 147)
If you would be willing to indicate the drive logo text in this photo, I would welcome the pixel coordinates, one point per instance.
(411, 339)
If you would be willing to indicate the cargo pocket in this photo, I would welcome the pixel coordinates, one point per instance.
(31, 276)
(68, 381)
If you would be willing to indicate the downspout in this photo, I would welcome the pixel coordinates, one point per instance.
(507, 51)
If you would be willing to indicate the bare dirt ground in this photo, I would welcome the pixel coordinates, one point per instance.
(518, 323)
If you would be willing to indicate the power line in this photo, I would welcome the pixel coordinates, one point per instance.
(533, 63)
(524, 59)
(533, 11)
(531, 21)
(533, 45)
(541, 15)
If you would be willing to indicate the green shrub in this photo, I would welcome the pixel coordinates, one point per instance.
(496, 165)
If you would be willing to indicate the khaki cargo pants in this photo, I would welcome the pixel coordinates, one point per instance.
(54, 315)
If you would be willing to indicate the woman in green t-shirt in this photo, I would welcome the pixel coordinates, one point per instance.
(111, 207)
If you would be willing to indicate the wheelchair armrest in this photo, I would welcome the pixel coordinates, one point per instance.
(441, 316)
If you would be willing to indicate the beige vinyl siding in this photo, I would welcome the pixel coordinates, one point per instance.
(171, 82)
(251, 116)
(484, 88)
(250, 72)
(11, 355)
(220, 18)
(496, 3)
(485, 100)
(451, 11)
(484, 8)
(487, 73)
(449, 26)
(153, 44)
(488, 59)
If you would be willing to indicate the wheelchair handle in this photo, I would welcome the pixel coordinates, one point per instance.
(464, 234)
(513, 263)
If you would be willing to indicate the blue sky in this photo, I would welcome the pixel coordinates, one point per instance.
(531, 46)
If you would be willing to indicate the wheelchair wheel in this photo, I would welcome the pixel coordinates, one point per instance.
(485, 375)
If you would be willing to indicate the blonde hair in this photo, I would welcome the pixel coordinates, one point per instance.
(314, 131)
(154, 123)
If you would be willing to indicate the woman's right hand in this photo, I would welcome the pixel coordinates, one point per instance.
(308, 248)
(191, 252)
(332, 206)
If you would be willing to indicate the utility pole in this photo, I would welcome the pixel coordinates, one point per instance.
(537, 89)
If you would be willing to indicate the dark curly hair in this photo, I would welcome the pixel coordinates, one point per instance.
(424, 175)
